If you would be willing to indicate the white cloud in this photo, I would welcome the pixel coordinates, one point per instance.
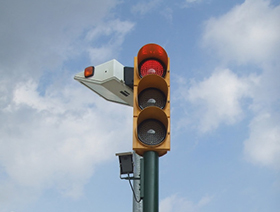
(40, 35)
(189, 3)
(250, 32)
(153, 7)
(179, 204)
(263, 145)
(144, 7)
(54, 134)
(167, 13)
(266, 95)
(217, 99)
(56, 140)
(115, 31)
(27, 94)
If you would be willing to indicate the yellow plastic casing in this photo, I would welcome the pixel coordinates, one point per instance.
(152, 51)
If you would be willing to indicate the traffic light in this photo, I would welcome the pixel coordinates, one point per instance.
(151, 101)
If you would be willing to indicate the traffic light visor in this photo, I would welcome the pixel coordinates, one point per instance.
(152, 59)
(152, 91)
(152, 125)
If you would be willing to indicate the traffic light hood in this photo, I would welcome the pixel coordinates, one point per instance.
(152, 51)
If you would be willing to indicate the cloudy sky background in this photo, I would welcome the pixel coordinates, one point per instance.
(58, 139)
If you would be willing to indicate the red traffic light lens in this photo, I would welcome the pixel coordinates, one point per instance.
(152, 67)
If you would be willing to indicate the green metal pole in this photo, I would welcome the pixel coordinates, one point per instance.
(150, 200)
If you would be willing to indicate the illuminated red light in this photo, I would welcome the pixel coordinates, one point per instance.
(152, 67)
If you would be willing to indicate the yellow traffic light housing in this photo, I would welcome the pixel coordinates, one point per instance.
(151, 101)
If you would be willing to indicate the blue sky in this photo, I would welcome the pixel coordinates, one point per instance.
(58, 139)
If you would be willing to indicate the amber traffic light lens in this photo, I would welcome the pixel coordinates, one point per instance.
(151, 132)
(151, 97)
(89, 71)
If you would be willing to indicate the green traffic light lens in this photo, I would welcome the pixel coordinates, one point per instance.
(151, 132)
